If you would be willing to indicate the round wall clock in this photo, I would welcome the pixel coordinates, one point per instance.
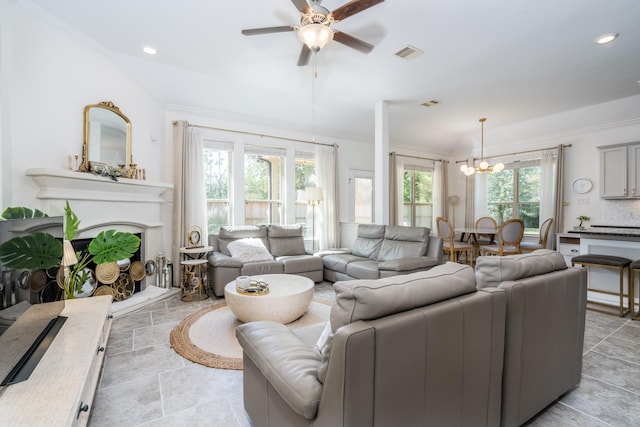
(582, 185)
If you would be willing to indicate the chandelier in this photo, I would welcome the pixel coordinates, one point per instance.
(483, 166)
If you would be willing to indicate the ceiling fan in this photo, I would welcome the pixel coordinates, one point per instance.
(315, 26)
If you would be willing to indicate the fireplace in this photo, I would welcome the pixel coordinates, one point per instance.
(135, 206)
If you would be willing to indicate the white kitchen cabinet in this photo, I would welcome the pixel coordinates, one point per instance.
(620, 171)
(568, 244)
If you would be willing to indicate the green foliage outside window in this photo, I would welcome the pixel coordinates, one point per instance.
(515, 193)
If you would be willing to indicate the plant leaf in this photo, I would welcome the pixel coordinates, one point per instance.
(71, 223)
(34, 251)
(22, 213)
(113, 245)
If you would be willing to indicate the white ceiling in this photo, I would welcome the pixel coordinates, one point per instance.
(508, 60)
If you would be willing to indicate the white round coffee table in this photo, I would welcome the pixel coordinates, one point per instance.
(288, 298)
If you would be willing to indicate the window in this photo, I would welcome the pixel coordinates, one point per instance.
(361, 196)
(217, 170)
(515, 193)
(418, 196)
(263, 174)
(305, 170)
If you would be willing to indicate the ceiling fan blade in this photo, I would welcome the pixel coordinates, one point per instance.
(302, 5)
(353, 7)
(352, 42)
(268, 30)
(305, 53)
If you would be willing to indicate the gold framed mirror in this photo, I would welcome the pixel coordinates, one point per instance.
(107, 136)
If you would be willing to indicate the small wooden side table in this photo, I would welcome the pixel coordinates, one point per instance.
(193, 273)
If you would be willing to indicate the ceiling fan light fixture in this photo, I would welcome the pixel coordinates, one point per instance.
(315, 36)
(606, 39)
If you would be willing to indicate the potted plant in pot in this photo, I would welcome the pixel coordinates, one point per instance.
(582, 219)
(43, 251)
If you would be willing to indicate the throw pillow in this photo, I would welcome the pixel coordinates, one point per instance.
(249, 250)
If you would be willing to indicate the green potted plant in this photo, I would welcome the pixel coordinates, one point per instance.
(43, 251)
(582, 219)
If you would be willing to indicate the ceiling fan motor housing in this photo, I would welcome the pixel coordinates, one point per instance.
(318, 15)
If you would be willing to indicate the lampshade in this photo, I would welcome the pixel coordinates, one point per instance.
(313, 194)
(69, 254)
(315, 36)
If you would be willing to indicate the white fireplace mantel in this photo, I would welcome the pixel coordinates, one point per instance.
(136, 206)
(68, 185)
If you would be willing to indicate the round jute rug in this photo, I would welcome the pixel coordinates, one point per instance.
(208, 336)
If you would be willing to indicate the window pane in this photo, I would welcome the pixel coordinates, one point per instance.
(363, 200)
(530, 214)
(501, 212)
(423, 187)
(262, 189)
(529, 184)
(305, 171)
(424, 215)
(500, 187)
(216, 170)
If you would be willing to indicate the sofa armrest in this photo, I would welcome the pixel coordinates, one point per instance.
(218, 259)
(408, 264)
(286, 362)
(435, 248)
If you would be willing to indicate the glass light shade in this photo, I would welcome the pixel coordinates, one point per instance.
(484, 165)
(69, 254)
(498, 167)
(463, 168)
(315, 36)
(470, 171)
(313, 194)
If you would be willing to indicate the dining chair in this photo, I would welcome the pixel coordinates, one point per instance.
(542, 238)
(449, 244)
(509, 237)
(485, 223)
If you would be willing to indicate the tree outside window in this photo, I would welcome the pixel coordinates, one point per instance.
(217, 178)
(515, 193)
(418, 197)
(263, 189)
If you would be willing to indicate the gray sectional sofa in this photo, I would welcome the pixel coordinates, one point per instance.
(384, 251)
(433, 348)
(259, 249)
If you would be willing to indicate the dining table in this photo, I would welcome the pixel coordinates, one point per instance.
(471, 234)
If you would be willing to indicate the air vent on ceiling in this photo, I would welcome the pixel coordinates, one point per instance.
(409, 52)
(430, 103)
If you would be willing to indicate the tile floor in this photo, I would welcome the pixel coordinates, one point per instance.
(145, 383)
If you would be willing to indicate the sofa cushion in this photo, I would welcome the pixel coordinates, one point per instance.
(228, 234)
(493, 270)
(262, 267)
(286, 240)
(368, 241)
(339, 262)
(372, 299)
(300, 263)
(363, 269)
(402, 242)
(249, 250)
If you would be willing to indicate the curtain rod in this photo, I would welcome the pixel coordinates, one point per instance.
(258, 134)
(518, 152)
(417, 157)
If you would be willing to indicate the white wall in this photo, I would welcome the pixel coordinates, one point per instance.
(55, 74)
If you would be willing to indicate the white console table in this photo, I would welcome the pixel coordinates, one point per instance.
(60, 390)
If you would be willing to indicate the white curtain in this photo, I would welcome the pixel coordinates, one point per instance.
(328, 210)
(480, 206)
(439, 192)
(469, 199)
(547, 181)
(189, 201)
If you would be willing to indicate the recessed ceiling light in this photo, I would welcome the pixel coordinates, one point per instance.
(149, 50)
(606, 38)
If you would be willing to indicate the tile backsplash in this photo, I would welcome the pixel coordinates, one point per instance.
(620, 212)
